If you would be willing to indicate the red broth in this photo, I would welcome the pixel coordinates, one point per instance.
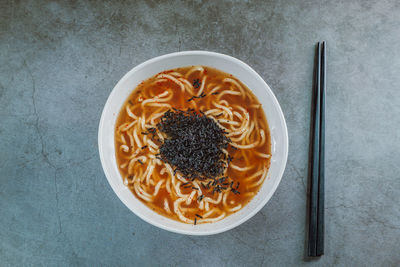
(225, 99)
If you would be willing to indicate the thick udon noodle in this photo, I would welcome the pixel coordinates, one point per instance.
(232, 106)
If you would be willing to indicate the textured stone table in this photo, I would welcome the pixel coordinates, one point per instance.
(60, 61)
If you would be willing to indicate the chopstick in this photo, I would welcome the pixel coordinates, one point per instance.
(321, 184)
(317, 179)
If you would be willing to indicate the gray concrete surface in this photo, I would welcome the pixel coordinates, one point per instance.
(60, 60)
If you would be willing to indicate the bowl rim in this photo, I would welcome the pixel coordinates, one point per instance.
(273, 99)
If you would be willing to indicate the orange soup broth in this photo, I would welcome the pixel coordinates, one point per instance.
(241, 157)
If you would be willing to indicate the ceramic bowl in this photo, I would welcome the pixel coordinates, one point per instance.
(228, 64)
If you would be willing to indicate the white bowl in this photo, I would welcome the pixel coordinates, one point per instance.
(273, 112)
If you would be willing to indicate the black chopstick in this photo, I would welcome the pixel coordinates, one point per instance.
(321, 183)
(313, 212)
(316, 207)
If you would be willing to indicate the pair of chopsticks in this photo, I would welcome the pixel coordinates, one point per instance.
(317, 179)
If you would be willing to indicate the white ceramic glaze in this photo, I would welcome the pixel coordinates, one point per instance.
(239, 69)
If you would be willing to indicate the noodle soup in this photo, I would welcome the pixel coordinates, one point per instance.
(193, 144)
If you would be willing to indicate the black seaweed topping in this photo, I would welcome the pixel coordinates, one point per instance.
(222, 179)
(194, 97)
(196, 83)
(193, 145)
(235, 191)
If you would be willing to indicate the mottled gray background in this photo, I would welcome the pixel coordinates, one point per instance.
(59, 62)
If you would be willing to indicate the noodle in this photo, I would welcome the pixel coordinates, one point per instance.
(158, 184)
